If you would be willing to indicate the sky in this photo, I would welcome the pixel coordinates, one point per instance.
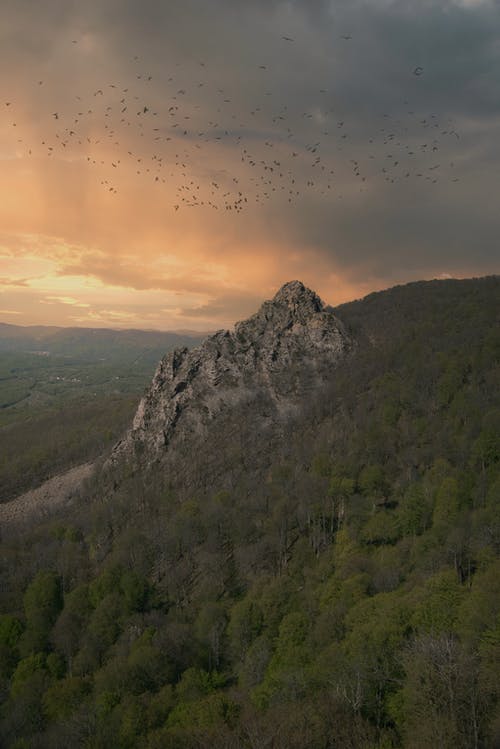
(169, 164)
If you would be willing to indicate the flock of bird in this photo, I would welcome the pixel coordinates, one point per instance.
(245, 151)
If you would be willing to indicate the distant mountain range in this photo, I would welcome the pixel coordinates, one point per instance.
(90, 342)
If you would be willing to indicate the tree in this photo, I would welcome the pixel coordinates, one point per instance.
(69, 627)
(42, 603)
(437, 610)
(244, 626)
(11, 630)
(447, 505)
(62, 698)
(440, 703)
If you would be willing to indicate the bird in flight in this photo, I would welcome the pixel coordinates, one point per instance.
(269, 177)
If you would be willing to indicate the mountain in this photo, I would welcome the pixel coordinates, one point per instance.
(84, 344)
(257, 377)
(295, 545)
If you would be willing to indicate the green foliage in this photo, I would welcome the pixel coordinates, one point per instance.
(480, 610)
(108, 582)
(103, 629)
(245, 625)
(11, 630)
(209, 628)
(342, 486)
(196, 683)
(447, 505)
(440, 704)
(64, 697)
(72, 621)
(56, 665)
(27, 668)
(415, 511)
(42, 603)
(346, 595)
(285, 677)
(134, 589)
(371, 480)
(204, 714)
(486, 448)
(381, 528)
(438, 607)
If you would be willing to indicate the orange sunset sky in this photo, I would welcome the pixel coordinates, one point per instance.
(169, 165)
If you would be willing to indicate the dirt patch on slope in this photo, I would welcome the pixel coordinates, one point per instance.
(43, 500)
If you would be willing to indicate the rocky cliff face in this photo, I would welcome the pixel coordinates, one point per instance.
(237, 386)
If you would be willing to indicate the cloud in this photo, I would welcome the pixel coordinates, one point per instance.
(15, 281)
(107, 316)
(132, 273)
(350, 230)
(225, 306)
(66, 300)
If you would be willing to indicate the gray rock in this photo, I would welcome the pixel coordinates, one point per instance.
(236, 389)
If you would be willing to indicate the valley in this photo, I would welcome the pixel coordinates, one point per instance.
(66, 394)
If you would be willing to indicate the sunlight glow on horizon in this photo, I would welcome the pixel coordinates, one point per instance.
(150, 182)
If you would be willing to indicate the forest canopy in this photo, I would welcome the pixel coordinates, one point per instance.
(349, 597)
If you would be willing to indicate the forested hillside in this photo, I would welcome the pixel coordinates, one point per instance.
(346, 597)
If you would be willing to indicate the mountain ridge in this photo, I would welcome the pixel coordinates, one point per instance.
(267, 365)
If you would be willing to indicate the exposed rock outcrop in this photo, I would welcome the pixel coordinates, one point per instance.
(255, 376)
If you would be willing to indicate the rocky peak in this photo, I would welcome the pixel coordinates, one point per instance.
(298, 298)
(293, 304)
(266, 367)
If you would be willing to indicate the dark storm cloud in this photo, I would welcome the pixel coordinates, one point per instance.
(456, 44)
(368, 81)
(226, 306)
(394, 238)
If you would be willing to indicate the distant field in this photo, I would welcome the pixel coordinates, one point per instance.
(67, 394)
